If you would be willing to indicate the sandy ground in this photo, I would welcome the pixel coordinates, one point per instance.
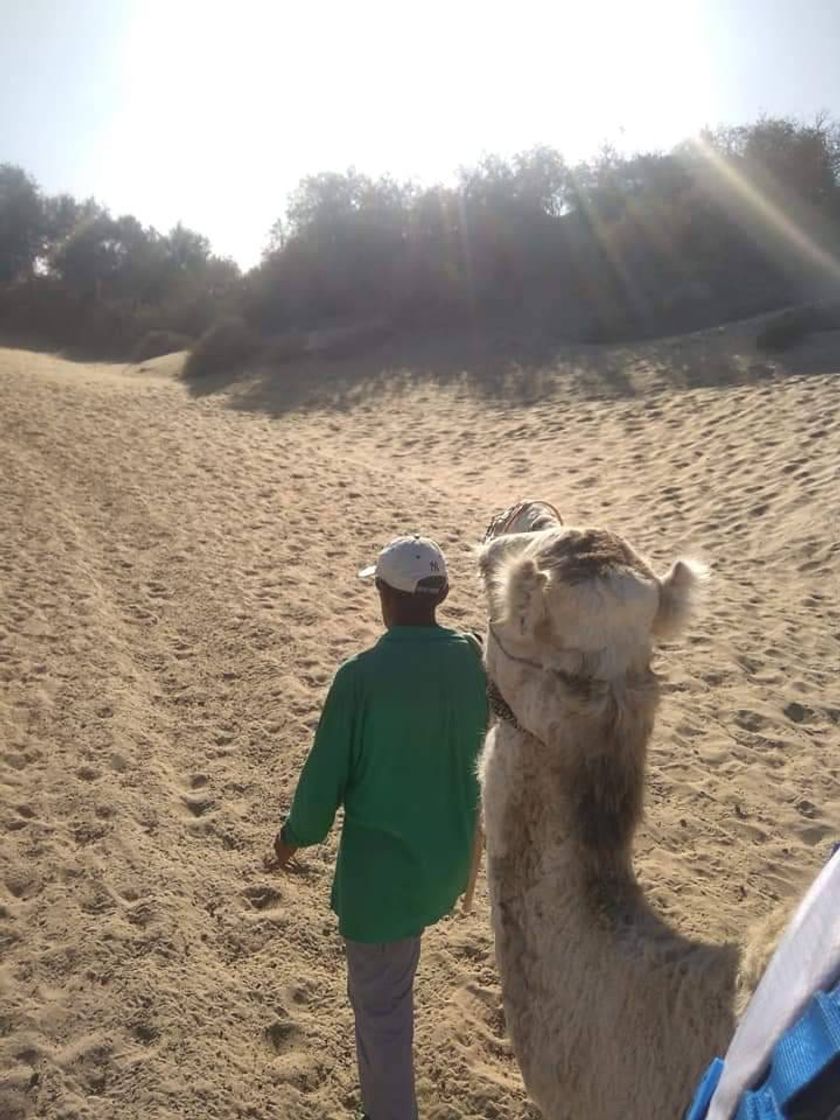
(176, 590)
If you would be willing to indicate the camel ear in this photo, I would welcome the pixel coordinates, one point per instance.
(495, 552)
(679, 592)
(523, 596)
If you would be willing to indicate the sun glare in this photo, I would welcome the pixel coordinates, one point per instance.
(226, 107)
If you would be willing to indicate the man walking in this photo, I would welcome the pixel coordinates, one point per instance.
(396, 746)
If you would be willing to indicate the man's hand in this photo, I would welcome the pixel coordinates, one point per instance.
(284, 852)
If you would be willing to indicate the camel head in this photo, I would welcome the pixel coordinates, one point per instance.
(574, 615)
(582, 600)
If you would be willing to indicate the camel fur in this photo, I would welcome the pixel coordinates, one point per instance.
(613, 1015)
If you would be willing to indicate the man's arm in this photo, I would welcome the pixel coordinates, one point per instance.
(323, 780)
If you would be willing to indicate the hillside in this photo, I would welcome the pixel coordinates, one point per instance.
(176, 589)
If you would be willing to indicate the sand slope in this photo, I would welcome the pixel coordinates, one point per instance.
(175, 592)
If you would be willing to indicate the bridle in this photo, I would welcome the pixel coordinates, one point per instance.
(580, 682)
(512, 656)
(501, 523)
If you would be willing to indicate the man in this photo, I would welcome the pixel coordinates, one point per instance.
(396, 746)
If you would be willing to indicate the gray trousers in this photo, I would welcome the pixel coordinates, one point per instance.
(380, 983)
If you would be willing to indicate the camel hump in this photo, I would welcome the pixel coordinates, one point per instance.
(679, 592)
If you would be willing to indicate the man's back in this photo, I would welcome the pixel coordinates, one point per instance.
(397, 744)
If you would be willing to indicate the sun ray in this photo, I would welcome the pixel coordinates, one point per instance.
(776, 219)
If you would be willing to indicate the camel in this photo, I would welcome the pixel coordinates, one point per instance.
(612, 1013)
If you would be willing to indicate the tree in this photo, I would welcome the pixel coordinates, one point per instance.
(786, 155)
(91, 257)
(186, 250)
(21, 223)
(62, 213)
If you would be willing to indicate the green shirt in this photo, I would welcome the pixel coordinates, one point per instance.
(397, 746)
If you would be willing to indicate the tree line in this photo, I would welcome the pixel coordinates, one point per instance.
(737, 221)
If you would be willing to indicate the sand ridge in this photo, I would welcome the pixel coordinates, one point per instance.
(176, 590)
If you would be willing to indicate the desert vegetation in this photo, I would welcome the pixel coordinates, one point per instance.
(618, 248)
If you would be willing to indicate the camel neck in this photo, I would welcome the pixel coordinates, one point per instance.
(579, 822)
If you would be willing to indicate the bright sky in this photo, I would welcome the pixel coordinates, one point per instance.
(210, 112)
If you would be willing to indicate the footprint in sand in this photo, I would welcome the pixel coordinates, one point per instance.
(145, 1031)
(799, 713)
(199, 806)
(21, 884)
(262, 896)
(749, 720)
(282, 1035)
(158, 590)
(814, 834)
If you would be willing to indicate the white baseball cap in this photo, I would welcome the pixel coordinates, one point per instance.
(408, 561)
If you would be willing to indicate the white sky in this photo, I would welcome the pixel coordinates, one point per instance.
(211, 112)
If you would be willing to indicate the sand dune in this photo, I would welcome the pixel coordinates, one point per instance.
(176, 589)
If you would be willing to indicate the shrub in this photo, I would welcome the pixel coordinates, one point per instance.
(349, 341)
(286, 347)
(785, 330)
(154, 344)
(790, 327)
(827, 316)
(226, 347)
